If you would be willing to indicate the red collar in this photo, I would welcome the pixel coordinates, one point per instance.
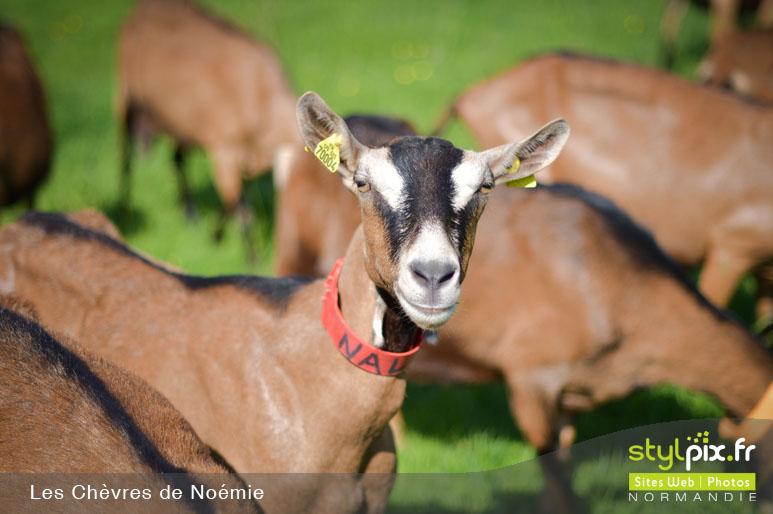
(360, 353)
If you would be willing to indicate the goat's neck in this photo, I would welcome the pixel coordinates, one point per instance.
(368, 400)
(361, 301)
(706, 350)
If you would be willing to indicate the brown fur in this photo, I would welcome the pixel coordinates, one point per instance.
(25, 135)
(724, 18)
(571, 306)
(184, 72)
(744, 62)
(246, 359)
(284, 374)
(65, 410)
(690, 162)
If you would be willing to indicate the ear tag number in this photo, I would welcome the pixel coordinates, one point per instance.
(329, 153)
(528, 181)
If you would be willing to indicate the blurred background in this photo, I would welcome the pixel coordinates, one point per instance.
(401, 58)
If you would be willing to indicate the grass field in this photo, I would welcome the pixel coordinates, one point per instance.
(404, 58)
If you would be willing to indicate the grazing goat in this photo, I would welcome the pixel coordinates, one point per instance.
(743, 62)
(25, 136)
(724, 18)
(184, 72)
(65, 410)
(690, 162)
(600, 310)
(246, 359)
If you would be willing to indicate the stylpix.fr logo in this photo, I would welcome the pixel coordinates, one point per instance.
(697, 449)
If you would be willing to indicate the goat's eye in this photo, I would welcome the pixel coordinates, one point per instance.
(363, 186)
(486, 188)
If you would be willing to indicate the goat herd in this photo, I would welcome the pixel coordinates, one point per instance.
(113, 362)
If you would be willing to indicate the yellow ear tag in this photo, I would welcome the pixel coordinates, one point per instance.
(329, 153)
(528, 181)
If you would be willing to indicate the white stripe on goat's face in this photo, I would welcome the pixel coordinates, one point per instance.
(421, 199)
(383, 177)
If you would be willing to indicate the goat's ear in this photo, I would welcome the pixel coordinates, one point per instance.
(519, 160)
(318, 122)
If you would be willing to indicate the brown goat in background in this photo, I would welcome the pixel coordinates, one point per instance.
(184, 72)
(743, 62)
(65, 410)
(25, 136)
(689, 162)
(567, 300)
(723, 21)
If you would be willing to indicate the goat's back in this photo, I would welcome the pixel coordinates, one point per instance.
(681, 158)
(66, 410)
(25, 135)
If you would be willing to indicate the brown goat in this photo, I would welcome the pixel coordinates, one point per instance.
(246, 359)
(65, 410)
(185, 72)
(567, 299)
(690, 162)
(724, 18)
(25, 136)
(743, 62)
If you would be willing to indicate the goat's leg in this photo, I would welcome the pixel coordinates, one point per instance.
(764, 276)
(182, 184)
(557, 494)
(247, 220)
(30, 200)
(127, 148)
(397, 426)
(669, 31)
(721, 273)
(534, 413)
(228, 182)
(724, 17)
(380, 465)
(765, 14)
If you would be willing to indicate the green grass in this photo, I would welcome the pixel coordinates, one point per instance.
(404, 58)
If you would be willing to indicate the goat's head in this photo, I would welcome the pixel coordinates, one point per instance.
(420, 200)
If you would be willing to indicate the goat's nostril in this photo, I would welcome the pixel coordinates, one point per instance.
(448, 276)
(416, 268)
(434, 273)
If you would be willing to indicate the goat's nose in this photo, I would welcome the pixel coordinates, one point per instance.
(434, 273)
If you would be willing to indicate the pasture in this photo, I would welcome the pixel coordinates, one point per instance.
(401, 58)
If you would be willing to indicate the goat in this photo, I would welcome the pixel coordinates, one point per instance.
(602, 311)
(688, 161)
(724, 17)
(185, 72)
(743, 62)
(25, 135)
(65, 410)
(246, 359)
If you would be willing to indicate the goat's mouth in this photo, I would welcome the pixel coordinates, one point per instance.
(428, 317)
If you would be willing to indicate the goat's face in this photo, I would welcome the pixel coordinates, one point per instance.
(420, 200)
